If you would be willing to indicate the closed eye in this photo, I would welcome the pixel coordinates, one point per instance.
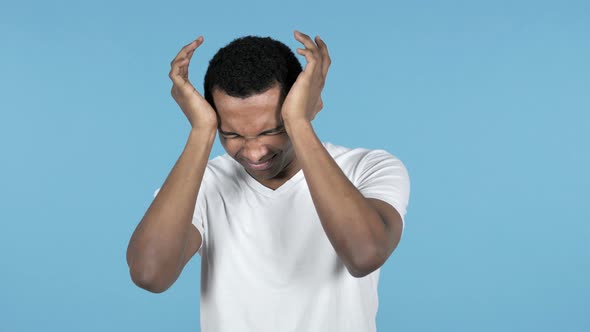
(271, 133)
(276, 131)
(230, 135)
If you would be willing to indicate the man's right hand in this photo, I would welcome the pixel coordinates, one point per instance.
(198, 111)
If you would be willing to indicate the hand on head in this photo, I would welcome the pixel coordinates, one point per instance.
(304, 100)
(198, 111)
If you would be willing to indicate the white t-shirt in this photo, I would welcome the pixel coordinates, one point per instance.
(266, 262)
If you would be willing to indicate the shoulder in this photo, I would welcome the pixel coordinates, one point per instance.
(222, 166)
(360, 164)
(377, 174)
(221, 173)
(357, 156)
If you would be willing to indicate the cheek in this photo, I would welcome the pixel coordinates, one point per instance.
(276, 144)
(286, 148)
(230, 148)
(284, 142)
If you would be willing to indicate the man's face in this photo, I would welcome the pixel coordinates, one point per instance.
(251, 131)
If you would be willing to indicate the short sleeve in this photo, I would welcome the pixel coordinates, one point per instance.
(198, 217)
(385, 177)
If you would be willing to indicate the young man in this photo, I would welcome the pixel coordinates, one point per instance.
(291, 231)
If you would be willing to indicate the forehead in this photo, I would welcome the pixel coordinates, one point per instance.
(251, 115)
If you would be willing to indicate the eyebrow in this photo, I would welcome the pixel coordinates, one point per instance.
(229, 133)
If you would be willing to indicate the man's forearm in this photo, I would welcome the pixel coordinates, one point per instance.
(155, 252)
(354, 228)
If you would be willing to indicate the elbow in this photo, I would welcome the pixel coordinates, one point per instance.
(366, 264)
(360, 271)
(148, 278)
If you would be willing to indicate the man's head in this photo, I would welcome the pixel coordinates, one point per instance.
(246, 82)
(251, 65)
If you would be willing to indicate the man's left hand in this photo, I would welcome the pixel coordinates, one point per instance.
(304, 100)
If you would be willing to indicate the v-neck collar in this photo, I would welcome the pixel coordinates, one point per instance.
(266, 191)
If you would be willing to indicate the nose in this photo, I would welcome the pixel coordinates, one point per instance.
(253, 151)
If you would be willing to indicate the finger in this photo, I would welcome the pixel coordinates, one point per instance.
(183, 70)
(326, 61)
(176, 76)
(179, 72)
(305, 40)
(189, 55)
(189, 48)
(309, 57)
(181, 66)
(192, 46)
(183, 52)
(185, 63)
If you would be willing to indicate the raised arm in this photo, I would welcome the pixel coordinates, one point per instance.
(363, 231)
(165, 240)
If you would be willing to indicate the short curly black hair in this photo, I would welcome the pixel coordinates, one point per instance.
(251, 65)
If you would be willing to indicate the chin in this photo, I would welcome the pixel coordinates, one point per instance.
(266, 175)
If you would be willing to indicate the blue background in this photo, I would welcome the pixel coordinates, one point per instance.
(486, 102)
